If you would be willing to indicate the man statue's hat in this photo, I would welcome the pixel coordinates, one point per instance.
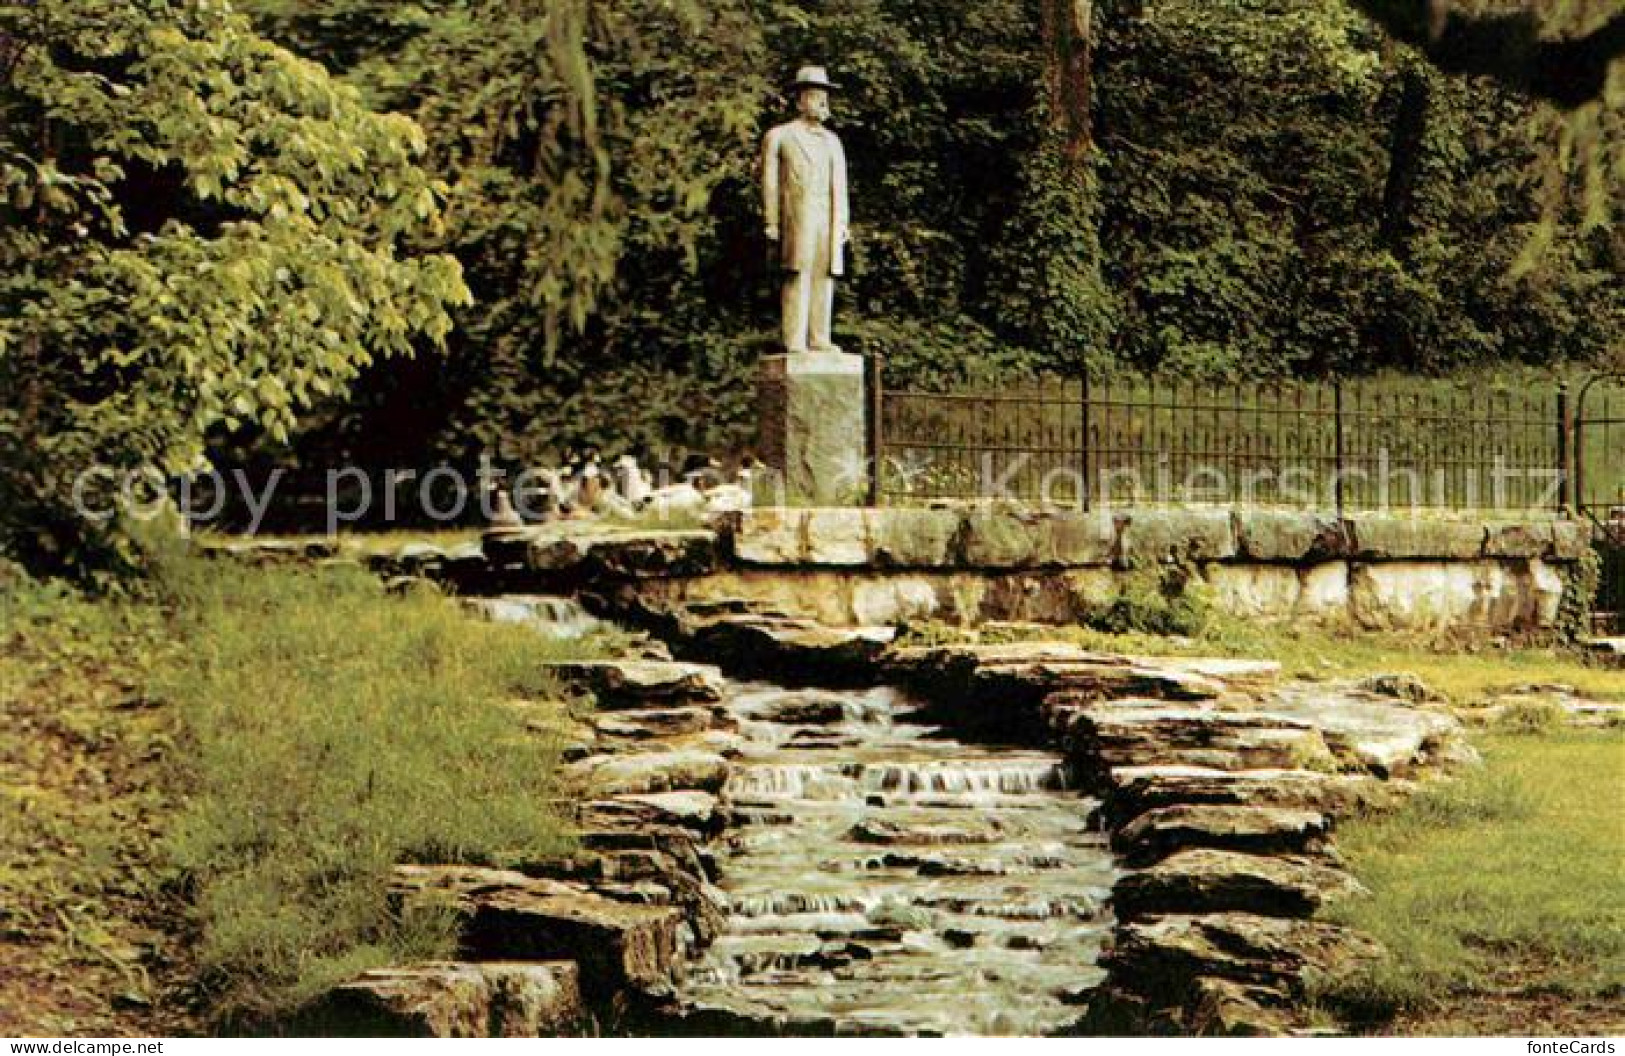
(813, 77)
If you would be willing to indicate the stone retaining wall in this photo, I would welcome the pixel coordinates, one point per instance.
(855, 567)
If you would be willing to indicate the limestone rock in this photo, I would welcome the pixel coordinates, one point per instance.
(1213, 881)
(1137, 789)
(907, 537)
(442, 999)
(652, 772)
(690, 809)
(1289, 536)
(507, 916)
(1107, 736)
(1156, 536)
(1399, 686)
(1377, 733)
(577, 550)
(654, 723)
(1257, 830)
(1164, 956)
(1385, 537)
(618, 684)
(789, 648)
(1224, 1008)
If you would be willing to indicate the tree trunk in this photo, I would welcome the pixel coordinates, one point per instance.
(1069, 72)
(1405, 149)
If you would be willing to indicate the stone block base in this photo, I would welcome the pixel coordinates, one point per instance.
(811, 414)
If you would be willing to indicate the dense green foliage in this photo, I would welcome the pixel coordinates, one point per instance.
(198, 231)
(1269, 187)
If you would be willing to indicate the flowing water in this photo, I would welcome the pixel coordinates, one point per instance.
(555, 617)
(884, 878)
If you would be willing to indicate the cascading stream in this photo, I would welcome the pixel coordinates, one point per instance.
(883, 878)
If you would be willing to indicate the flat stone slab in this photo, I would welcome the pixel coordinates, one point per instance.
(1136, 789)
(632, 684)
(1163, 956)
(1205, 880)
(586, 550)
(1257, 830)
(689, 808)
(646, 772)
(654, 723)
(507, 916)
(449, 999)
(1103, 736)
(1380, 734)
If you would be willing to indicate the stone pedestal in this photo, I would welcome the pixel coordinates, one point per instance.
(811, 426)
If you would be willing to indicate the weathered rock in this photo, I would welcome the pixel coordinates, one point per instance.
(788, 648)
(617, 684)
(802, 709)
(906, 537)
(651, 723)
(652, 772)
(896, 834)
(1289, 536)
(1257, 830)
(1163, 957)
(1213, 881)
(1399, 686)
(1417, 595)
(1384, 537)
(1224, 1008)
(1155, 536)
(1110, 735)
(587, 550)
(508, 916)
(1137, 789)
(689, 809)
(443, 999)
(1269, 592)
(1379, 734)
(1031, 670)
(1324, 592)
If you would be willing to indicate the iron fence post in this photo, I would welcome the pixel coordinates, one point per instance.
(1565, 450)
(874, 439)
(1342, 440)
(1085, 486)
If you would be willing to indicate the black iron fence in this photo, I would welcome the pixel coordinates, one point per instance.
(1599, 486)
(1380, 444)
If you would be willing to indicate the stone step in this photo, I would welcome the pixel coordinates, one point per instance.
(1213, 881)
(1159, 832)
(507, 916)
(448, 999)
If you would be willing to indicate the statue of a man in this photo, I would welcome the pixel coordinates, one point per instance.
(804, 199)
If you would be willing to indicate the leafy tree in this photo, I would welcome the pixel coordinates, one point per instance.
(198, 230)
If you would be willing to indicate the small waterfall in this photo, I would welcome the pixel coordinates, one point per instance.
(882, 878)
(556, 617)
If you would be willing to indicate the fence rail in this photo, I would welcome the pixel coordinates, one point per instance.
(1349, 445)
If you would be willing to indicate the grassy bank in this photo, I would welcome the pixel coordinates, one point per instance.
(259, 747)
(1498, 894)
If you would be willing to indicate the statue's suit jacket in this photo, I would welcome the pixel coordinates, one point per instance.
(798, 160)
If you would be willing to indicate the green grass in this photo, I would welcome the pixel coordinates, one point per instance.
(1498, 894)
(271, 742)
(332, 732)
(89, 908)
